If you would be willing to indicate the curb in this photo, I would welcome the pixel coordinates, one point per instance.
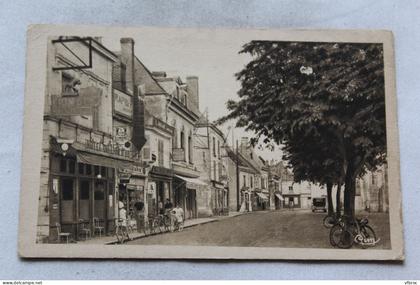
(189, 226)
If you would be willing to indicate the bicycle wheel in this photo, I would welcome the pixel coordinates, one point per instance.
(156, 226)
(328, 221)
(118, 235)
(368, 233)
(346, 239)
(335, 234)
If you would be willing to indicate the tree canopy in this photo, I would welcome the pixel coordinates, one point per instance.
(323, 101)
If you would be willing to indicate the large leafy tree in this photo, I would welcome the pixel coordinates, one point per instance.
(295, 92)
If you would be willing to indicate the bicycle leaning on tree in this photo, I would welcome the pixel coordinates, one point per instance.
(347, 232)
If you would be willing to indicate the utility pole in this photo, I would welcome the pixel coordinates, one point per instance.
(237, 177)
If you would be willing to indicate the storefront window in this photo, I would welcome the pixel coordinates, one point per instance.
(88, 169)
(84, 190)
(67, 189)
(96, 170)
(63, 165)
(72, 166)
(81, 167)
(103, 171)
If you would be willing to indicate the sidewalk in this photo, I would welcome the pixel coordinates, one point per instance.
(188, 223)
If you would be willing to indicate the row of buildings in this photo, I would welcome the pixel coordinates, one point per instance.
(115, 132)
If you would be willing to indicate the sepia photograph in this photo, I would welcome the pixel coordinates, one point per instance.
(201, 143)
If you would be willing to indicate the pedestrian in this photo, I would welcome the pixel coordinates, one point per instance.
(178, 213)
(168, 205)
(160, 208)
(139, 214)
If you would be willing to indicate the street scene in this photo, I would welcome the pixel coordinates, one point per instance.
(294, 157)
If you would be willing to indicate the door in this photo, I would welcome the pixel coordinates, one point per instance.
(67, 204)
(99, 202)
(85, 193)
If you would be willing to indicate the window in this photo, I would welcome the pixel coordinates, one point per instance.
(96, 167)
(160, 152)
(88, 169)
(214, 146)
(262, 183)
(72, 166)
(99, 191)
(244, 181)
(290, 188)
(218, 149)
(182, 140)
(190, 150)
(175, 139)
(84, 190)
(215, 171)
(103, 171)
(81, 167)
(67, 189)
(251, 181)
(70, 85)
(63, 165)
(251, 155)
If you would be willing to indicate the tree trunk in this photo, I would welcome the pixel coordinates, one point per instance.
(338, 201)
(349, 193)
(330, 200)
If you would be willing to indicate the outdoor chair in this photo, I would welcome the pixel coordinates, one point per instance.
(61, 234)
(97, 226)
(84, 230)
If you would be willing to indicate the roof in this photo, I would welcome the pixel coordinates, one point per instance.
(241, 160)
(145, 76)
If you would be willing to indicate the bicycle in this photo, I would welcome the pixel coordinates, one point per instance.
(164, 222)
(345, 233)
(329, 221)
(121, 231)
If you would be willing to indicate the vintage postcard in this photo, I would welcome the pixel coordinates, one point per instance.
(174, 143)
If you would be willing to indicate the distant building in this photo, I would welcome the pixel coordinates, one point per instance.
(372, 191)
(176, 103)
(240, 169)
(211, 159)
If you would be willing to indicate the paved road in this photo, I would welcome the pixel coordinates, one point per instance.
(297, 228)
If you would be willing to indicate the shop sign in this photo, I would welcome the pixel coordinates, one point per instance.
(151, 189)
(122, 103)
(162, 171)
(121, 134)
(113, 149)
(82, 104)
(138, 170)
(178, 154)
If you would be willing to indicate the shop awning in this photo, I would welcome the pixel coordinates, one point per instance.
(279, 196)
(262, 196)
(94, 159)
(190, 180)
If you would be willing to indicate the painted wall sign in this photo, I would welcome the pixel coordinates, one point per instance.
(123, 104)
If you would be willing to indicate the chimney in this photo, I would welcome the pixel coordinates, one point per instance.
(244, 145)
(192, 89)
(127, 58)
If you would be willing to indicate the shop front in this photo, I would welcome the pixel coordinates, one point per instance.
(246, 200)
(291, 201)
(261, 201)
(185, 194)
(220, 198)
(131, 185)
(278, 200)
(159, 189)
(82, 192)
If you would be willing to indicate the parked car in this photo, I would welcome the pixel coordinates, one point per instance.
(319, 204)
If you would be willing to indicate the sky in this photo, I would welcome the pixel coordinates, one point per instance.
(208, 54)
